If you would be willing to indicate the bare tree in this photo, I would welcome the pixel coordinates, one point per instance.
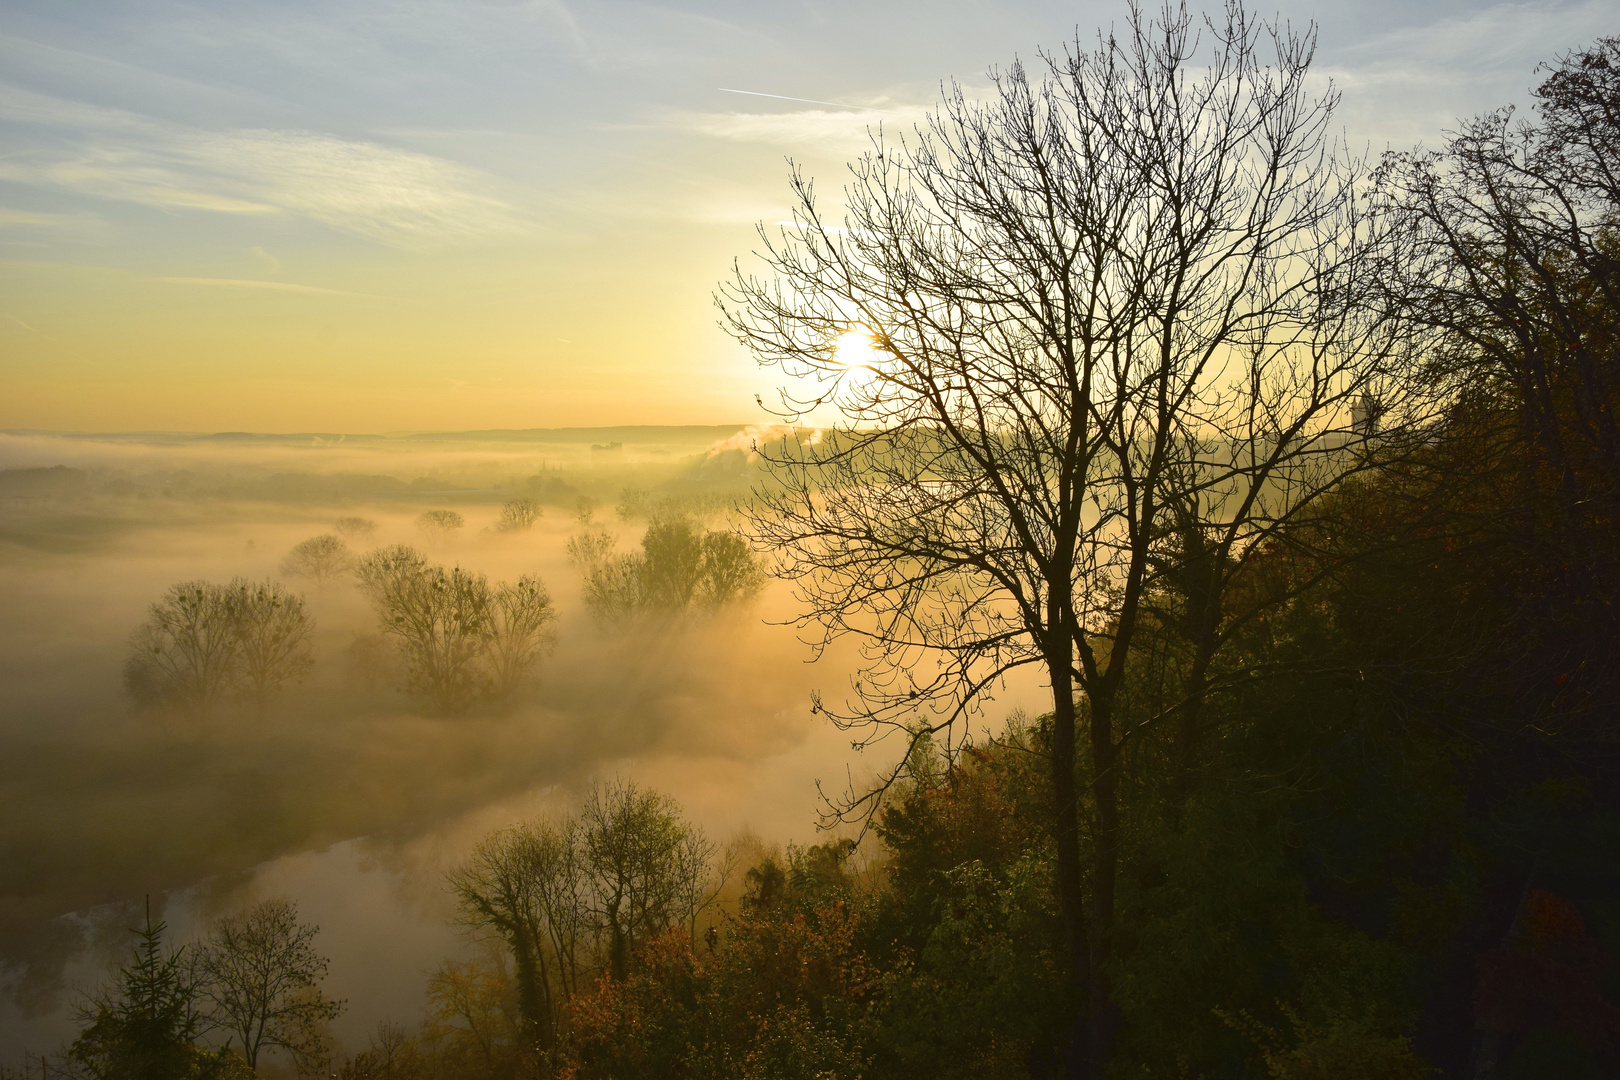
(613, 587)
(672, 562)
(322, 559)
(472, 1024)
(1512, 263)
(521, 632)
(354, 528)
(204, 641)
(186, 653)
(272, 631)
(633, 503)
(591, 548)
(459, 637)
(262, 976)
(391, 1053)
(701, 873)
(680, 565)
(388, 570)
(517, 515)
(443, 621)
(1108, 317)
(729, 570)
(440, 621)
(437, 525)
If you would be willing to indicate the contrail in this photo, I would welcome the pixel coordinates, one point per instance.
(807, 101)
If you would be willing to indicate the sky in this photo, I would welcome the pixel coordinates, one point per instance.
(343, 216)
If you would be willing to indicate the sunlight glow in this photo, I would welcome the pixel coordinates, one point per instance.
(856, 350)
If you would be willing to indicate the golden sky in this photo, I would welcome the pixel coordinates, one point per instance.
(369, 216)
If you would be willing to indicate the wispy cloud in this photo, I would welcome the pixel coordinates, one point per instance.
(820, 129)
(1405, 85)
(393, 196)
(10, 218)
(276, 286)
(785, 97)
(34, 228)
(1484, 44)
(558, 15)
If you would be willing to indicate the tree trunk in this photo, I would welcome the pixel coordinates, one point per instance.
(1188, 734)
(1104, 1020)
(534, 1004)
(1067, 838)
(618, 960)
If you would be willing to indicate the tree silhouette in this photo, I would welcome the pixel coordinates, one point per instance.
(148, 1025)
(437, 525)
(517, 515)
(460, 638)
(262, 976)
(203, 641)
(354, 528)
(1121, 301)
(322, 559)
(272, 631)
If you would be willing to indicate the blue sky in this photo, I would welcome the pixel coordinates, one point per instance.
(368, 216)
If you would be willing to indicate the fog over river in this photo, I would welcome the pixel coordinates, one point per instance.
(344, 793)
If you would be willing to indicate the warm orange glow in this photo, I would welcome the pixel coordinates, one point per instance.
(857, 350)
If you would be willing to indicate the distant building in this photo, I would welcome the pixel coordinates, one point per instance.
(1365, 415)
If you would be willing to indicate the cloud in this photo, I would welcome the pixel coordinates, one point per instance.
(397, 197)
(394, 196)
(1407, 85)
(840, 130)
(62, 225)
(1484, 45)
(556, 14)
(279, 286)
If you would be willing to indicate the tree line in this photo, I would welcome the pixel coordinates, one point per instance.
(458, 638)
(559, 906)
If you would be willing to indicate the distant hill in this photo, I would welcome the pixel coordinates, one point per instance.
(639, 433)
(629, 434)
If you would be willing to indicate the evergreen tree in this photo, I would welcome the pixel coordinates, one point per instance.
(147, 1025)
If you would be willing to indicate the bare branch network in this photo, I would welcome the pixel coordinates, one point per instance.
(1120, 296)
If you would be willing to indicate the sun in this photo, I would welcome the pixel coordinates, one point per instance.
(856, 350)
